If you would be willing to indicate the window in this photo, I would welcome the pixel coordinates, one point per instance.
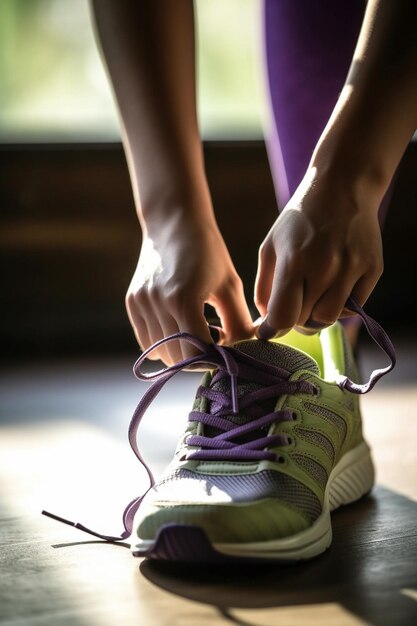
(53, 86)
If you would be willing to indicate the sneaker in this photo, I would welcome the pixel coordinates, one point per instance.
(273, 445)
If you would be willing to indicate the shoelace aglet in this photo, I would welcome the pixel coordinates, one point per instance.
(60, 519)
(68, 522)
(79, 526)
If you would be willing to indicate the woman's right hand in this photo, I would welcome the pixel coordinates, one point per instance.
(183, 265)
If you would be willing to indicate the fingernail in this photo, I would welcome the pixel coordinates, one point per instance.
(282, 332)
(265, 331)
(306, 331)
(313, 324)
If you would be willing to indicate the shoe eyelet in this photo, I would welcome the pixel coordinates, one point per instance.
(289, 441)
(316, 391)
(281, 460)
(294, 416)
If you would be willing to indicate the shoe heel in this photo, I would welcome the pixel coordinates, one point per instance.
(353, 477)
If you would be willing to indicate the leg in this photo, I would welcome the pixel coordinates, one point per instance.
(308, 50)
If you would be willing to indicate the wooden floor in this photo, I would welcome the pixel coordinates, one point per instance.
(63, 447)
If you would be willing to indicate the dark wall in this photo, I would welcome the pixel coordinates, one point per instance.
(69, 241)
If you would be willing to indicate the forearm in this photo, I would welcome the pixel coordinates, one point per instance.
(376, 114)
(149, 50)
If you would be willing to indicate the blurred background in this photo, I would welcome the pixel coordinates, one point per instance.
(69, 243)
(69, 235)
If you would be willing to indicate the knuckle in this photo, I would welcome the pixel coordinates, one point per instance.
(231, 283)
(352, 261)
(129, 300)
(264, 248)
(290, 266)
(377, 266)
(133, 303)
(137, 296)
(333, 260)
(151, 292)
(235, 282)
(266, 252)
(176, 298)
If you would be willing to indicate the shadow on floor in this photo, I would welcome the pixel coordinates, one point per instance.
(372, 559)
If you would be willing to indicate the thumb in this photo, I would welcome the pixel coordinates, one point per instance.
(284, 306)
(264, 278)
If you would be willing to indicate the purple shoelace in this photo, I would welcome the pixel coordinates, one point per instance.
(245, 442)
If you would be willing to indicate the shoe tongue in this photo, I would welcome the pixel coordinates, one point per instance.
(277, 354)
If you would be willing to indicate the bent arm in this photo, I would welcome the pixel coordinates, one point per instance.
(149, 49)
(326, 244)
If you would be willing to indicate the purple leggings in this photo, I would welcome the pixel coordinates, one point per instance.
(309, 45)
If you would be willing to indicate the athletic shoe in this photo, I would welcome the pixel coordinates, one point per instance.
(273, 445)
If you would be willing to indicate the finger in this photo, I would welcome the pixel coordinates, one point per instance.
(330, 305)
(230, 304)
(137, 322)
(315, 286)
(192, 321)
(284, 305)
(169, 327)
(365, 286)
(155, 332)
(139, 328)
(264, 278)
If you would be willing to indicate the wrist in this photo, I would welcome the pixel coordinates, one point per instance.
(358, 148)
(365, 186)
(351, 161)
(178, 218)
(174, 206)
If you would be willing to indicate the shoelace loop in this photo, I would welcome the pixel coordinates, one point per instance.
(380, 337)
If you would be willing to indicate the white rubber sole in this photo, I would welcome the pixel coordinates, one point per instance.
(350, 479)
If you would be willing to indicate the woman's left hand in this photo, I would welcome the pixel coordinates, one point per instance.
(325, 246)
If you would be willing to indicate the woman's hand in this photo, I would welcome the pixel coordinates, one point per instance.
(325, 246)
(184, 261)
(183, 265)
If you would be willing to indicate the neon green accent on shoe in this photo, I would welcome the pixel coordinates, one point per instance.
(309, 344)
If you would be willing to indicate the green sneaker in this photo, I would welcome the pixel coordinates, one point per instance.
(271, 449)
(273, 445)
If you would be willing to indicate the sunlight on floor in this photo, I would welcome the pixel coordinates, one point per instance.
(410, 593)
(388, 415)
(326, 614)
(63, 447)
